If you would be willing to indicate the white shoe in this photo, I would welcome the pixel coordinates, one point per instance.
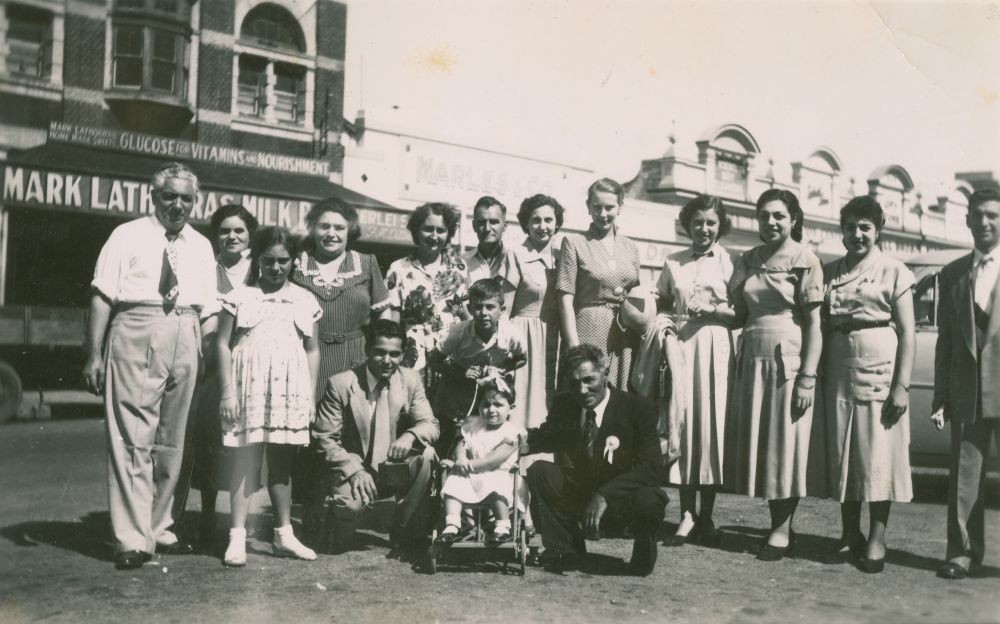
(236, 552)
(289, 546)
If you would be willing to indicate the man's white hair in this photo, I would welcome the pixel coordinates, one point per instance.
(174, 170)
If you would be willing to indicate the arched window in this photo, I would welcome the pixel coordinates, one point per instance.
(273, 72)
(271, 26)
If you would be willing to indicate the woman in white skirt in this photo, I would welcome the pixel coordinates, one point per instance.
(693, 296)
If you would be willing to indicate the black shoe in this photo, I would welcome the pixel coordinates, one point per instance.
(180, 547)
(643, 559)
(131, 559)
(953, 571)
(853, 550)
(676, 541)
(776, 553)
(872, 566)
(561, 563)
(709, 536)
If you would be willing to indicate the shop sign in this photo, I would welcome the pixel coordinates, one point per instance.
(33, 188)
(166, 147)
(460, 175)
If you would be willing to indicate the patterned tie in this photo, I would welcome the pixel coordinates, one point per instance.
(590, 432)
(381, 436)
(168, 271)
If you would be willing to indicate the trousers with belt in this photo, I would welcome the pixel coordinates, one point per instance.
(151, 366)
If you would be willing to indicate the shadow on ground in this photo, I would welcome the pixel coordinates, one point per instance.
(90, 536)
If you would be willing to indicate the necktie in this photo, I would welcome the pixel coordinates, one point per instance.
(590, 432)
(708, 254)
(381, 436)
(168, 271)
(986, 279)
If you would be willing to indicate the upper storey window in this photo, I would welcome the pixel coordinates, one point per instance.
(273, 71)
(271, 26)
(151, 46)
(29, 42)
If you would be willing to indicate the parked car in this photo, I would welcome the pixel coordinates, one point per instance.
(928, 446)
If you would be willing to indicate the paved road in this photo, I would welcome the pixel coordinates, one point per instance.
(54, 566)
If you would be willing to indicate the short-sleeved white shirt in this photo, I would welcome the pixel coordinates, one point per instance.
(129, 266)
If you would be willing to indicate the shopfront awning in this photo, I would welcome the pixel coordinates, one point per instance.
(112, 183)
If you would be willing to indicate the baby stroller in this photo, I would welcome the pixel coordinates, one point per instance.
(471, 546)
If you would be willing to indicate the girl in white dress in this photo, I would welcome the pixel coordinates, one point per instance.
(267, 391)
(481, 471)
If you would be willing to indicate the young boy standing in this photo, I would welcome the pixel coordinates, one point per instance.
(475, 350)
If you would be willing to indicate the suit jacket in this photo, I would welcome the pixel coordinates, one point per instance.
(958, 376)
(631, 419)
(342, 428)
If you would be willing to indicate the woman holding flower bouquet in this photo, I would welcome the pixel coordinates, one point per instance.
(427, 289)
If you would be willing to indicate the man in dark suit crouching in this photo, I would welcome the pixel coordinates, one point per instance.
(607, 456)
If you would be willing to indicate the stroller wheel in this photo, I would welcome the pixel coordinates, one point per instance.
(432, 554)
(431, 560)
(522, 548)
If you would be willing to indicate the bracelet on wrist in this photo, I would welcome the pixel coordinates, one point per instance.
(806, 375)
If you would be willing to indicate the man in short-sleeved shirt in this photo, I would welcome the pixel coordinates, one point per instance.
(490, 258)
(153, 287)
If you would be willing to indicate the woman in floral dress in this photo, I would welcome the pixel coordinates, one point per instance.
(427, 289)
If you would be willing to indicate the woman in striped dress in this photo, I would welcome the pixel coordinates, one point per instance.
(347, 285)
(349, 288)
(594, 273)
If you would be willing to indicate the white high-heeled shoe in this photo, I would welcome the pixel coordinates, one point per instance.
(287, 545)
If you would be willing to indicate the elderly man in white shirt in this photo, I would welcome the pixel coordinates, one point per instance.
(152, 291)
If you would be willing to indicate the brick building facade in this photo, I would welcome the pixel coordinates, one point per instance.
(240, 73)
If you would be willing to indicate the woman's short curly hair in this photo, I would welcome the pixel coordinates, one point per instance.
(337, 206)
(233, 210)
(791, 203)
(447, 212)
(705, 202)
(533, 203)
(863, 207)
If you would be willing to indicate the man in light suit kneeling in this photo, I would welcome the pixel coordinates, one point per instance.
(371, 414)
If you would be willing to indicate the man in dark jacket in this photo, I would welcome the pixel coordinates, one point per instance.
(607, 456)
